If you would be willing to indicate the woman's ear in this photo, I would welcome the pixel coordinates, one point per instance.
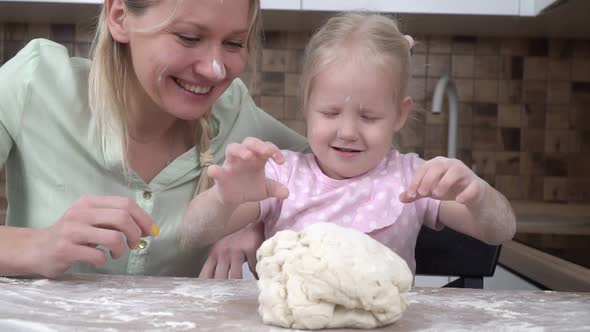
(116, 18)
(405, 109)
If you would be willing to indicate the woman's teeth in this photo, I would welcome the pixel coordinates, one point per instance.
(193, 88)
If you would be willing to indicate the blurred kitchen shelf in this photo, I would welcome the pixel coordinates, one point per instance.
(510, 18)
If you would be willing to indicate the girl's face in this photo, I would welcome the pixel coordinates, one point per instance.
(184, 67)
(352, 114)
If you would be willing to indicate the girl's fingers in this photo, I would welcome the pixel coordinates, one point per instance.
(276, 189)
(235, 270)
(471, 194)
(222, 268)
(430, 180)
(452, 182)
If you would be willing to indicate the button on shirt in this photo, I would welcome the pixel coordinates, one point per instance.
(52, 157)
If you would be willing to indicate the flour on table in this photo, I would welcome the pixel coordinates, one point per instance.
(328, 276)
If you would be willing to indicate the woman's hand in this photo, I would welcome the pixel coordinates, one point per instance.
(242, 178)
(116, 223)
(228, 254)
(445, 179)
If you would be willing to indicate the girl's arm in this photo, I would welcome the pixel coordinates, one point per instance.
(233, 202)
(468, 204)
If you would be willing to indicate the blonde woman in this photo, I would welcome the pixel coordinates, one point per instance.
(103, 156)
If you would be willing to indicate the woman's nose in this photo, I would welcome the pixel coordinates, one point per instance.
(211, 66)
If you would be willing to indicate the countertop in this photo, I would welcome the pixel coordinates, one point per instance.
(136, 303)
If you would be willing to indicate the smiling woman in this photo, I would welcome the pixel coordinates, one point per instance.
(117, 147)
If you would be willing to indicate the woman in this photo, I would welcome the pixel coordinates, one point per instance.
(102, 156)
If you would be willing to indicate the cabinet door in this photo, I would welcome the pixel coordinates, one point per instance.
(281, 4)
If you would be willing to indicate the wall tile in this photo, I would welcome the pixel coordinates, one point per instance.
(274, 40)
(581, 70)
(560, 70)
(85, 33)
(464, 44)
(420, 45)
(440, 45)
(579, 166)
(274, 60)
(557, 141)
(509, 115)
(487, 46)
(273, 105)
(532, 163)
(507, 163)
(15, 31)
(292, 84)
(581, 49)
(485, 139)
(463, 65)
(297, 40)
(10, 49)
(514, 46)
(556, 164)
(465, 89)
(464, 137)
(557, 117)
(417, 89)
(532, 140)
(559, 92)
(485, 91)
(535, 68)
(82, 50)
(438, 65)
(292, 109)
(435, 136)
(509, 139)
(534, 91)
(579, 141)
(485, 162)
(487, 66)
(419, 65)
(485, 115)
(465, 114)
(561, 48)
(293, 61)
(539, 47)
(273, 84)
(578, 190)
(510, 186)
(510, 91)
(62, 33)
(38, 31)
(555, 189)
(411, 136)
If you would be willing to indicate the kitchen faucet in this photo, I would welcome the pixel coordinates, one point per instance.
(445, 84)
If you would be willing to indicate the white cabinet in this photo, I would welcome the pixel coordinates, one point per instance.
(451, 7)
(281, 4)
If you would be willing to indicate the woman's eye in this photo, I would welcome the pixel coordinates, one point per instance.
(190, 39)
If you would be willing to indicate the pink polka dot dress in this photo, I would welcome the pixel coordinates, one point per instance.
(369, 203)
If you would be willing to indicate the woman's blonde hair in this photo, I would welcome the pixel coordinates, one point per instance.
(111, 76)
(376, 36)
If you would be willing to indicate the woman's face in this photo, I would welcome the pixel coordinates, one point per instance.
(186, 65)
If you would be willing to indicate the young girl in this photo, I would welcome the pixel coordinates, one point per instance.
(354, 89)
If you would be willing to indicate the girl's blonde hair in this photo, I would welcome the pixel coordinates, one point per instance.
(376, 36)
(111, 76)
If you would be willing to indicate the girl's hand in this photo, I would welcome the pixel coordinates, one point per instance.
(116, 223)
(445, 179)
(242, 178)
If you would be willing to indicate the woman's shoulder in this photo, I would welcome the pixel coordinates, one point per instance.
(42, 60)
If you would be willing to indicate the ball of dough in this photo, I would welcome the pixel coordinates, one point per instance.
(328, 276)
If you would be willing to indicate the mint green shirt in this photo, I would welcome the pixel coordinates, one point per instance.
(52, 158)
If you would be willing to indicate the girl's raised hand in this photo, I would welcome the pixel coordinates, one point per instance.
(241, 178)
(445, 179)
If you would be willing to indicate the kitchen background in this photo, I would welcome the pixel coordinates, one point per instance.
(524, 102)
